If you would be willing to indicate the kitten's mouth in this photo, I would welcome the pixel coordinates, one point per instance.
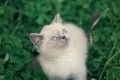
(65, 41)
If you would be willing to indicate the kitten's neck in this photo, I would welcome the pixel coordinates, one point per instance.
(58, 53)
(52, 56)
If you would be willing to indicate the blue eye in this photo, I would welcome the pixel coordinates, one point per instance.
(64, 31)
(54, 38)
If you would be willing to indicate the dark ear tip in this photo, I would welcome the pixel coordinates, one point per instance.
(58, 14)
(31, 35)
(57, 18)
(36, 38)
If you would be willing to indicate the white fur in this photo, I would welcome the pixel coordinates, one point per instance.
(68, 61)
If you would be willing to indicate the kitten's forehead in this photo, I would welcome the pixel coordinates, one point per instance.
(53, 28)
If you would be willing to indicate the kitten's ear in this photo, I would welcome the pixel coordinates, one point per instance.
(36, 39)
(57, 18)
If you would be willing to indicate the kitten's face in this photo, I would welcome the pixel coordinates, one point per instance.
(56, 36)
(52, 37)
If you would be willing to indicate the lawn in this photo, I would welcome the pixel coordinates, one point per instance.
(19, 18)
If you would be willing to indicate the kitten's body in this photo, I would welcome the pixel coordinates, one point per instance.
(68, 59)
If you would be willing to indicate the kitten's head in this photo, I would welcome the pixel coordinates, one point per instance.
(53, 37)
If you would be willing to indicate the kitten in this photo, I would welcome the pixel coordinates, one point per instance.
(63, 50)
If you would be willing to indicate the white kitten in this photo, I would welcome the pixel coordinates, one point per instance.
(63, 50)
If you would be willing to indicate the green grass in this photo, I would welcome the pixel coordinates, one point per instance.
(19, 18)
